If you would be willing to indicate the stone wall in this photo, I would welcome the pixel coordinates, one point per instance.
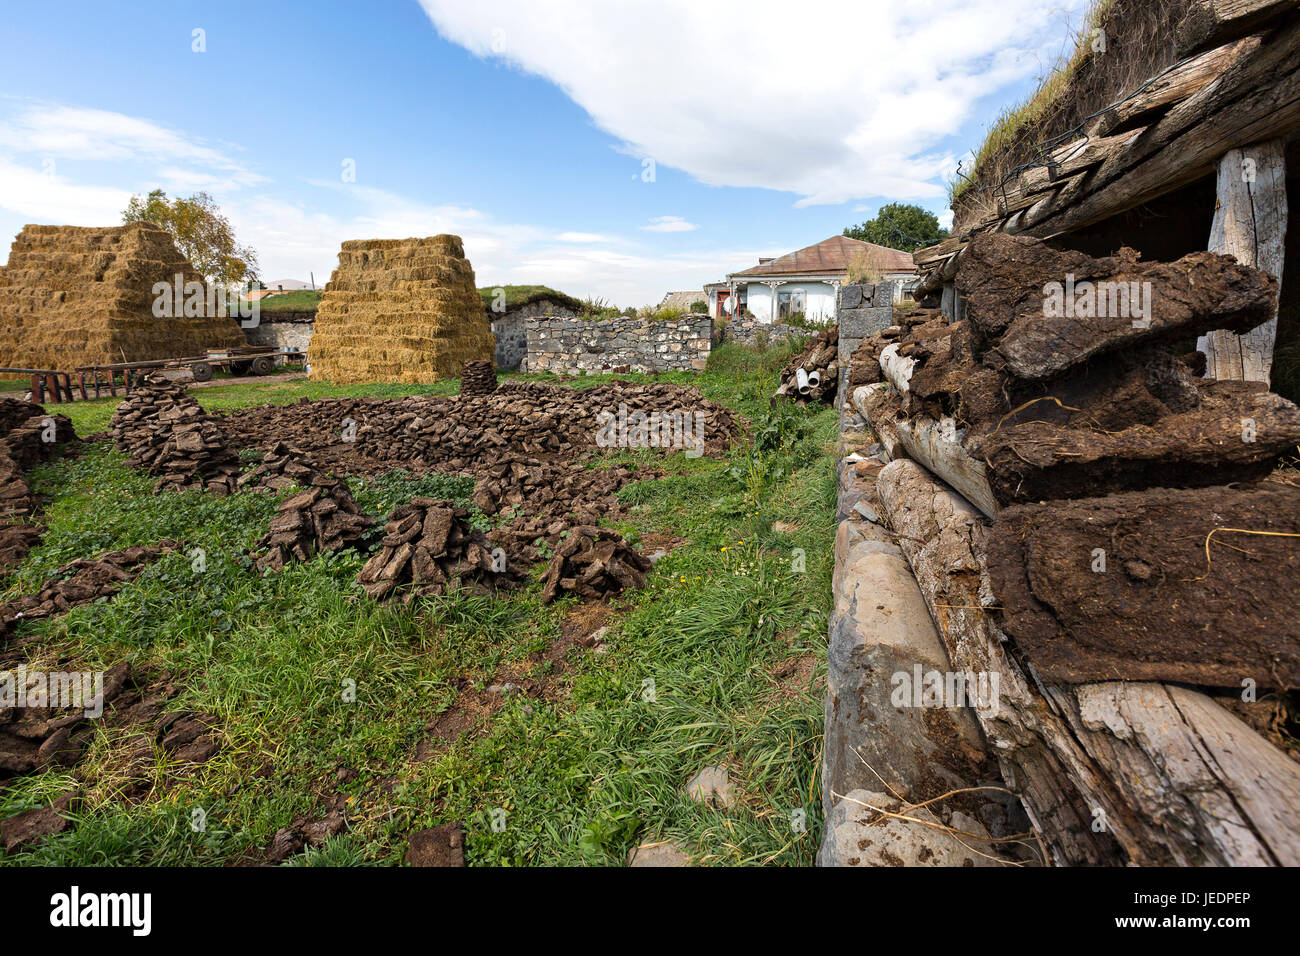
(745, 331)
(569, 346)
(282, 330)
(862, 308)
(512, 335)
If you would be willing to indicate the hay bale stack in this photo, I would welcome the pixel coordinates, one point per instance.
(74, 295)
(427, 545)
(478, 378)
(166, 433)
(324, 517)
(592, 563)
(399, 310)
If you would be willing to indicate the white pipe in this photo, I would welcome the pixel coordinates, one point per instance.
(801, 378)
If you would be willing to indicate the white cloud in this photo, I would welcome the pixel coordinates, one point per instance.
(669, 224)
(41, 195)
(945, 219)
(582, 237)
(66, 132)
(834, 101)
(54, 168)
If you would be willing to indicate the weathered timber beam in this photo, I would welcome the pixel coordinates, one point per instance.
(1211, 22)
(1174, 86)
(1258, 99)
(1250, 220)
(1143, 773)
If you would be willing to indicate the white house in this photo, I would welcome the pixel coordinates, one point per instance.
(806, 281)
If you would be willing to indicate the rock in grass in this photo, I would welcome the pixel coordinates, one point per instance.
(712, 786)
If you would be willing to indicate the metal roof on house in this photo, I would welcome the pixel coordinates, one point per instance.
(830, 257)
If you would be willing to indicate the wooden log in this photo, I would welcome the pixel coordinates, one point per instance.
(1110, 773)
(874, 403)
(1172, 87)
(1211, 22)
(1258, 98)
(1250, 220)
(897, 368)
(936, 445)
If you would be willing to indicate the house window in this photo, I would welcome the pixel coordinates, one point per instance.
(789, 303)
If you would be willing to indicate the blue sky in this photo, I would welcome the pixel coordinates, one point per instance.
(529, 128)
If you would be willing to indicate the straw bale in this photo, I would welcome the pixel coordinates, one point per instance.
(74, 295)
(399, 310)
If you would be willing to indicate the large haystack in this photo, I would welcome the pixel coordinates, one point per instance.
(74, 295)
(399, 310)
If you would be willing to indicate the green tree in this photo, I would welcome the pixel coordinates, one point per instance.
(202, 234)
(900, 226)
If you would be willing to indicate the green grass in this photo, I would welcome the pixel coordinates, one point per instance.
(582, 772)
(517, 296)
(1011, 123)
(301, 300)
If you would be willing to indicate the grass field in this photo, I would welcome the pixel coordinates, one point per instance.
(300, 300)
(719, 660)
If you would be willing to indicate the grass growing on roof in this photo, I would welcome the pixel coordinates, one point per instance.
(299, 300)
(518, 296)
(1134, 40)
(719, 660)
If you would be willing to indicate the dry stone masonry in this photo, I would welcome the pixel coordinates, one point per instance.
(570, 346)
(861, 309)
(282, 330)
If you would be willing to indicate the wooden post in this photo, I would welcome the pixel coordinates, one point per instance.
(1250, 218)
(948, 301)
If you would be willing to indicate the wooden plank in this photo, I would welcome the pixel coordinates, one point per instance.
(940, 250)
(1209, 23)
(1256, 97)
(1256, 100)
(1075, 157)
(1174, 86)
(1250, 219)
